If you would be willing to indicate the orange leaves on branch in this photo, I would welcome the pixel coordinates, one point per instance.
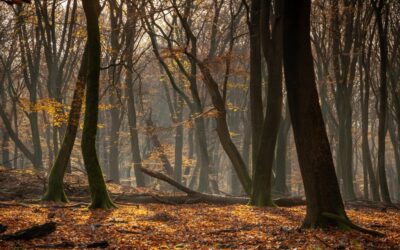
(55, 110)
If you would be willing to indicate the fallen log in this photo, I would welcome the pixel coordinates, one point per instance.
(193, 196)
(69, 244)
(2, 228)
(100, 244)
(62, 245)
(372, 204)
(33, 232)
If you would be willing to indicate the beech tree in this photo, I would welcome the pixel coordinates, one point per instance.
(98, 190)
(313, 150)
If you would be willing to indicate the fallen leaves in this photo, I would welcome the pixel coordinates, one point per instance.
(160, 226)
(199, 226)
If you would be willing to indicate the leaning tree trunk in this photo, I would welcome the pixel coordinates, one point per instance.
(223, 129)
(313, 150)
(97, 185)
(55, 190)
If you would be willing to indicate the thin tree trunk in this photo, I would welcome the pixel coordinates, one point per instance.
(281, 186)
(383, 95)
(272, 48)
(256, 103)
(55, 190)
(97, 185)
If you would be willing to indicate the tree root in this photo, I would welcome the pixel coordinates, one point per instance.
(352, 225)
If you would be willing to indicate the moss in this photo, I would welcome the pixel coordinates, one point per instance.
(56, 194)
(97, 185)
(55, 190)
(262, 200)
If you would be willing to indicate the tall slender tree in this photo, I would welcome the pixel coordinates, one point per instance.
(97, 185)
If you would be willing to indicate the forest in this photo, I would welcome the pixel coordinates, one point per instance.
(200, 124)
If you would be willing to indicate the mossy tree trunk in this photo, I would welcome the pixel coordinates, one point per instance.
(97, 185)
(55, 191)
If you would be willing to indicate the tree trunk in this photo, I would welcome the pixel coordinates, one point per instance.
(313, 150)
(132, 118)
(281, 157)
(55, 190)
(113, 163)
(223, 130)
(272, 47)
(97, 185)
(5, 155)
(396, 151)
(366, 153)
(178, 140)
(137, 159)
(256, 103)
(383, 95)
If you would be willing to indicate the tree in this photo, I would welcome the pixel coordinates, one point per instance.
(130, 42)
(382, 22)
(55, 190)
(313, 150)
(271, 41)
(344, 71)
(97, 185)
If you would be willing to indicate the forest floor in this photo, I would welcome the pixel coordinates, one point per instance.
(194, 226)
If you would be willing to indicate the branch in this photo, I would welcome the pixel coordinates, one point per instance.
(169, 180)
(196, 197)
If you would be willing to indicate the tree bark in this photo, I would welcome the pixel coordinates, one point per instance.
(256, 103)
(313, 150)
(383, 95)
(97, 185)
(272, 48)
(55, 190)
(280, 185)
